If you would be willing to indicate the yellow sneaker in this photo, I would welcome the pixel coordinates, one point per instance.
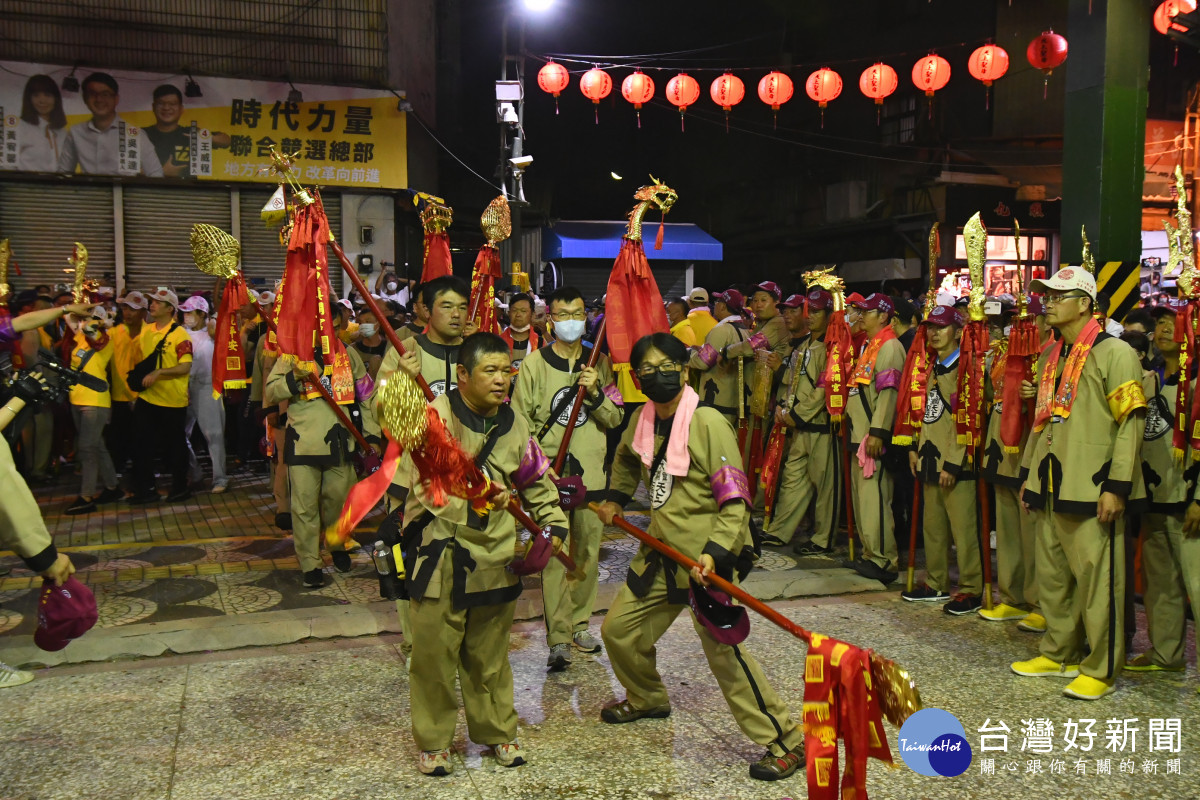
(1002, 613)
(1042, 667)
(1034, 623)
(1085, 687)
(1143, 663)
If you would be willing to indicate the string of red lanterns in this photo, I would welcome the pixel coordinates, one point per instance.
(930, 74)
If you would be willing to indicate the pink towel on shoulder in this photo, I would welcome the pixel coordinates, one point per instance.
(677, 457)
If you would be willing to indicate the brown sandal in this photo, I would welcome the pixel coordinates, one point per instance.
(622, 712)
(775, 768)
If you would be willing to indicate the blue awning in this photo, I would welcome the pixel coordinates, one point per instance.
(682, 241)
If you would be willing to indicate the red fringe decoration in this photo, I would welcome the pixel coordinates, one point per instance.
(839, 349)
(437, 257)
(1017, 415)
(447, 469)
(1186, 320)
(634, 307)
(910, 405)
(658, 239)
(483, 289)
(968, 421)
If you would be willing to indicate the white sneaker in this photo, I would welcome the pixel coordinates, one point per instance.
(10, 676)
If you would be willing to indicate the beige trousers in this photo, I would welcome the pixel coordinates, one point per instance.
(809, 476)
(951, 515)
(1016, 545)
(472, 645)
(1172, 565)
(568, 601)
(318, 494)
(873, 520)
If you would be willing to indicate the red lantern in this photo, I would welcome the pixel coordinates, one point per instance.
(682, 91)
(552, 79)
(1168, 10)
(727, 91)
(595, 85)
(931, 74)
(822, 86)
(877, 82)
(987, 64)
(775, 89)
(1047, 52)
(637, 89)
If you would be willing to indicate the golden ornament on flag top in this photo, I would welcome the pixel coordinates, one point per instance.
(215, 251)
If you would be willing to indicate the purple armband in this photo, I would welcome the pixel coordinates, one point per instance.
(7, 332)
(759, 341)
(888, 379)
(533, 466)
(709, 355)
(363, 387)
(613, 393)
(730, 483)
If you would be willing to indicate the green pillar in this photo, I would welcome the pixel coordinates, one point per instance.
(1106, 72)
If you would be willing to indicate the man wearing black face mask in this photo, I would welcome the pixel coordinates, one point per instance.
(545, 390)
(687, 456)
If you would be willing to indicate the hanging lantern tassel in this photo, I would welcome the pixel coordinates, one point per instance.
(552, 79)
(682, 91)
(595, 85)
(877, 82)
(637, 88)
(1047, 52)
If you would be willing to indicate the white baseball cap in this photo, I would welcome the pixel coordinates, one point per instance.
(699, 295)
(165, 295)
(1065, 280)
(266, 298)
(195, 303)
(134, 300)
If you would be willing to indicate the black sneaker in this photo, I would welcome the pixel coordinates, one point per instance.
(963, 604)
(771, 540)
(810, 549)
(283, 521)
(81, 506)
(923, 593)
(108, 496)
(141, 498)
(180, 496)
(314, 579)
(341, 561)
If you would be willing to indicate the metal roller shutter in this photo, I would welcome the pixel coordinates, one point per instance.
(592, 282)
(262, 255)
(158, 224)
(41, 220)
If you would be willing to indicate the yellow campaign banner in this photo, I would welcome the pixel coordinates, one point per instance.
(132, 124)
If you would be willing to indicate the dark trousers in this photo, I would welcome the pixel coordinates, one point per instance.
(119, 435)
(159, 432)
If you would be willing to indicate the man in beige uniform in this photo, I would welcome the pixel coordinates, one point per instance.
(317, 450)
(718, 384)
(1016, 531)
(871, 409)
(545, 391)
(1170, 558)
(462, 594)
(699, 498)
(939, 463)
(1082, 464)
(274, 422)
(809, 474)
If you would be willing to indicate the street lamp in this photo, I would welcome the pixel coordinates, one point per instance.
(510, 114)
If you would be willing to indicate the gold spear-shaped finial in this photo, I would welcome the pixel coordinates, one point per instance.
(215, 251)
(975, 237)
(281, 166)
(935, 250)
(1180, 244)
(5, 257)
(81, 285)
(1088, 261)
(1022, 300)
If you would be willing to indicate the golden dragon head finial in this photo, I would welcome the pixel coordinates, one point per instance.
(975, 237)
(1087, 261)
(825, 279)
(658, 195)
(1180, 244)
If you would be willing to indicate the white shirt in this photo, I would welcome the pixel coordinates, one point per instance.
(39, 146)
(97, 152)
(202, 356)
